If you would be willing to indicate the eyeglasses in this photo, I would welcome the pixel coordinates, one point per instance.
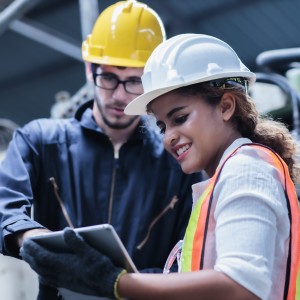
(111, 82)
(175, 254)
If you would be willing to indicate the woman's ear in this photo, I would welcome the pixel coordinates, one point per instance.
(88, 71)
(227, 106)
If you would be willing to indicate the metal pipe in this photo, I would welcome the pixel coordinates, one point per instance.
(14, 11)
(89, 11)
(45, 37)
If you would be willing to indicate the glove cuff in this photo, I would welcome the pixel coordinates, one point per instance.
(116, 294)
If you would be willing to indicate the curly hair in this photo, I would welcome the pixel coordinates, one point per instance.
(250, 123)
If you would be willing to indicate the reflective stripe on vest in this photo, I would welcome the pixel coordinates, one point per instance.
(193, 251)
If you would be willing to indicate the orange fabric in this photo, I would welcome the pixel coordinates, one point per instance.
(200, 230)
(201, 215)
(295, 223)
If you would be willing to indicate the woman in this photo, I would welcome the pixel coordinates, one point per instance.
(242, 238)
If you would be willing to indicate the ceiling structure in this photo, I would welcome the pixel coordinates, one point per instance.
(40, 41)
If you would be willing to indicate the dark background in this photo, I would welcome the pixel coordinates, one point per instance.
(31, 73)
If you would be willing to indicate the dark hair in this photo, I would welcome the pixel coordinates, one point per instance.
(95, 66)
(249, 123)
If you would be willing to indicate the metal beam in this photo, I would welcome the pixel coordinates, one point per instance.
(47, 37)
(14, 11)
(89, 11)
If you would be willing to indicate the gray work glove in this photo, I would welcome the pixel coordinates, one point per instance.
(83, 270)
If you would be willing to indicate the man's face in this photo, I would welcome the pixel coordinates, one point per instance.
(110, 103)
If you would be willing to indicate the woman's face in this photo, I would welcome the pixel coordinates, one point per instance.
(195, 133)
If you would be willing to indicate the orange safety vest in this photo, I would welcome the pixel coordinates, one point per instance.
(193, 251)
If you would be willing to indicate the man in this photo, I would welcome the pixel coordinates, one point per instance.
(101, 166)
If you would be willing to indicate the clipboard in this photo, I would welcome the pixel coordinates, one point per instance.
(102, 237)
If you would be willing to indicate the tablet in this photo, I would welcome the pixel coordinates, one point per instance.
(102, 237)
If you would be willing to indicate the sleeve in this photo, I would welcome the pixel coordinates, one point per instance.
(18, 173)
(251, 222)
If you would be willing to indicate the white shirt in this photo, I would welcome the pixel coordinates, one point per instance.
(252, 224)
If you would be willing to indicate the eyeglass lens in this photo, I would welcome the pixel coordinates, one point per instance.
(108, 82)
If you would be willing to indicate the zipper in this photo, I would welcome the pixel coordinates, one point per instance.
(170, 206)
(112, 187)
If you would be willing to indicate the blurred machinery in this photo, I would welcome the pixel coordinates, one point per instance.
(277, 90)
(11, 18)
(17, 279)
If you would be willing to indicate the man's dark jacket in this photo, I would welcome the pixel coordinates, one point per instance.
(142, 193)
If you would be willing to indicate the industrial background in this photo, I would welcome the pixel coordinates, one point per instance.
(40, 41)
(40, 63)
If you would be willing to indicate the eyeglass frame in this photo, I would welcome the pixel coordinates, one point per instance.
(175, 254)
(118, 81)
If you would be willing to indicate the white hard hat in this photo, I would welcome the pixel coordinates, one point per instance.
(183, 60)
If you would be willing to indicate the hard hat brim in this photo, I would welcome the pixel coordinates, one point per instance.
(138, 106)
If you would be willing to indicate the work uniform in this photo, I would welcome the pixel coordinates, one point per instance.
(141, 190)
(245, 222)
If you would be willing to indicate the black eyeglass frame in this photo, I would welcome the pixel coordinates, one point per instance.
(118, 81)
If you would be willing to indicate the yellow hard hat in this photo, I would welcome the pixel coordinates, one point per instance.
(125, 34)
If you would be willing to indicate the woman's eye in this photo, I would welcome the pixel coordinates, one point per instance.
(162, 130)
(180, 120)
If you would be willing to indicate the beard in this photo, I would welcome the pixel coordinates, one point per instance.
(115, 125)
(118, 125)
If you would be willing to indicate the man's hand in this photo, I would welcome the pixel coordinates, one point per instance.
(22, 236)
(83, 270)
(14, 241)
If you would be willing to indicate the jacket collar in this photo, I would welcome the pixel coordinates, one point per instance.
(142, 133)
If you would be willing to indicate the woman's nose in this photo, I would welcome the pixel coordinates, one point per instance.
(170, 137)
